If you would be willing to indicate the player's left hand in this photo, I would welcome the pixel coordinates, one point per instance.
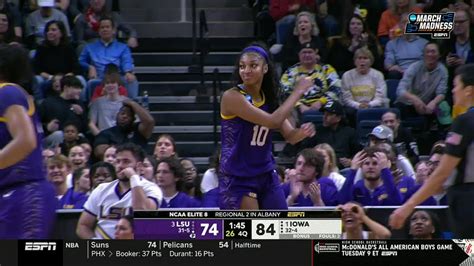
(128, 172)
(398, 217)
(308, 129)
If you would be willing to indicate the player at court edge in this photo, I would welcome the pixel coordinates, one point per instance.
(459, 156)
(250, 112)
(27, 201)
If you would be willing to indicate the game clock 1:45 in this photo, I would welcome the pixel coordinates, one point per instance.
(237, 225)
(237, 229)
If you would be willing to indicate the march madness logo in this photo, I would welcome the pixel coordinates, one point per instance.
(439, 25)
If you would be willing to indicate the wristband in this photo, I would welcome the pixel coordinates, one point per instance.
(135, 181)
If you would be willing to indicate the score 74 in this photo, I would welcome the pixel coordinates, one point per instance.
(209, 229)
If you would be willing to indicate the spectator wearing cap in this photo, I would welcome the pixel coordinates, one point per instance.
(423, 86)
(327, 85)
(333, 131)
(383, 134)
(363, 87)
(403, 139)
(380, 136)
(37, 20)
(377, 188)
(306, 30)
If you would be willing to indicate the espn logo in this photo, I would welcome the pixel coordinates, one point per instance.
(40, 246)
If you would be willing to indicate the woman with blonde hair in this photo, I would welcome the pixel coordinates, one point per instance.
(330, 169)
(306, 30)
(363, 86)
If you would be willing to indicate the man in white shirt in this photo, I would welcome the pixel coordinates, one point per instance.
(111, 201)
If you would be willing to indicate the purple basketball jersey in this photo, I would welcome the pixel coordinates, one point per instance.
(246, 147)
(30, 168)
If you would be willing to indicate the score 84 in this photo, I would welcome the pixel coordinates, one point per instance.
(265, 229)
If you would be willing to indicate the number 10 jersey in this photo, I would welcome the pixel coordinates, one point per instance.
(246, 147)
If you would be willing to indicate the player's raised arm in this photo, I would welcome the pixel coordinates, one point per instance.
(235, 104)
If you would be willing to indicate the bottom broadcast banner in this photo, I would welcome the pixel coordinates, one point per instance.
(388, 252)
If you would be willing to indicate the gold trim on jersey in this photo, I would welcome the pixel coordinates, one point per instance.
(256, 104)
(244, 93)
(31, 103)
(102, 232)
(228, 117)
(262, 102)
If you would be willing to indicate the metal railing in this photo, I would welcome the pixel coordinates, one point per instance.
(200, 44)
(216, 88)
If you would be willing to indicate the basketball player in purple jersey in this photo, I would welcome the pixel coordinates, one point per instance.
(250, 112)
(27, 202)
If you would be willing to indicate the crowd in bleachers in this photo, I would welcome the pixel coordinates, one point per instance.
(373, 86)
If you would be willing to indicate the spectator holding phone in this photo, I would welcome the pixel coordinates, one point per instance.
(459, 48)
(459, 51)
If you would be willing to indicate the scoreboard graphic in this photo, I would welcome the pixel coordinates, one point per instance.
(220, 225)
(177, 238)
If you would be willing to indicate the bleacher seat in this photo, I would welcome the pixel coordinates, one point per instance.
(364, 128)
(313, 116)
(392, 85)
(366, 120)
(417, 124)
(370, 114)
